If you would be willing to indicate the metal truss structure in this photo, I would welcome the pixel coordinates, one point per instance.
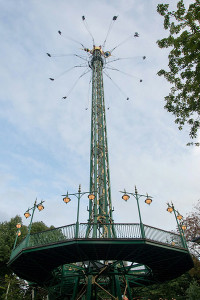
(100, 210)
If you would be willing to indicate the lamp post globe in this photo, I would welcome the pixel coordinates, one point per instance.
(148, 200)
(125, 197)
(18, 225)
(179, 217)
(40, 206)
(66, 199)
(184, 227)
(91, 196)
(18, 233)
(27, 214)
(170, 209)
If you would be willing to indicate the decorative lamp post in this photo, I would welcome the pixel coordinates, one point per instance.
(179, 216)
(170, 209)
(184, 227)
(180, 225)
(66, 199)
(18, 225)
(91, 196)
(27, 214)
(78, 195)
(148, 200)
(125, 197)
(40, 206)
(137, 196)
(18, 233)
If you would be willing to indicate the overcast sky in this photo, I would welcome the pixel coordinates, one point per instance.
(45, 141)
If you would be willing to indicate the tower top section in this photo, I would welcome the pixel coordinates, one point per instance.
(97, 54)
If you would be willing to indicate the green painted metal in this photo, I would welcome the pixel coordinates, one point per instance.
(19, 248)
(78, 196)
(118, 291)
(128, 289)
(137, 197)
(183, 240)
(89, 287)
(77, 220)
(100, 209)
(180, 230)
(75, 289)
(30, 225)
(141, 224)
(161, 260)
(18, 230)
(33, 208)
(122, 231)
(96, 280)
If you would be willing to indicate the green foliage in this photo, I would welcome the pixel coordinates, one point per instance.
(38, 226)
(192, 221)
(184, 63)
(7, 238)
(193, 292)
(173, 289)
(16, 287)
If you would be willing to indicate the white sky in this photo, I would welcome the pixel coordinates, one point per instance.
(45, 141)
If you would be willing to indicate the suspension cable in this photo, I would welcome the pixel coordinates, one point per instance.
(71, 39)
(71, 89)
(109, 29)
(68, 70)
(127, 98)
(130, 75)
(87, 28)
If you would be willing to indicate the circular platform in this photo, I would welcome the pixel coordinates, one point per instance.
(35, 261)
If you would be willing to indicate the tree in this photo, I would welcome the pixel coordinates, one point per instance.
(15, 287)
(184, 64)
(193, 292)
(192, 221)
(7, 238)
(39, 226)
(174, 289)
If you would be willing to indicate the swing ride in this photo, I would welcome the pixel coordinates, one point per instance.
(100, 259)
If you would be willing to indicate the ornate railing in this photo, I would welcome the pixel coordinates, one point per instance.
(122, 231)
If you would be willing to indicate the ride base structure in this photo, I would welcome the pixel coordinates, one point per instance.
(99, 259)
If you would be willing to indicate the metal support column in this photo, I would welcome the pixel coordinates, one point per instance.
(75, 289)
(118, 291)
(89, 288)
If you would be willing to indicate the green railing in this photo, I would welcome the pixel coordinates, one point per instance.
(122, 231)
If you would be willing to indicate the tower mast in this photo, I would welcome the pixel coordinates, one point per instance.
(100, 209)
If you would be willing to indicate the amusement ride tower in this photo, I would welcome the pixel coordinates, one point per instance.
(100, 210)
(100, 259)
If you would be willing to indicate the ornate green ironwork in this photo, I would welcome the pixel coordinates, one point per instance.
(176, 214)
(122, 231)
(78, 196)
(100, 209)
(97, 286)
(137, 197)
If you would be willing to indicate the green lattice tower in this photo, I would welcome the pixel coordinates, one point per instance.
(100, 209)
